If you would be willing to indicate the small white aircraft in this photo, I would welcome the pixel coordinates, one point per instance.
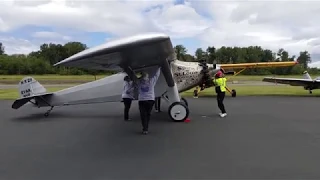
(128, 56)
(307, 82)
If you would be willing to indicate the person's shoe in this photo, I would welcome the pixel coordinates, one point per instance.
(223, 115)
(145, 132)
(127, 119)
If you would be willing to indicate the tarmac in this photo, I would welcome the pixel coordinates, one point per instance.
(261, 138)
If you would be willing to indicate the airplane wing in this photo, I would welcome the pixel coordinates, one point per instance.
(290, 81)
(257, 65)
(136, 52)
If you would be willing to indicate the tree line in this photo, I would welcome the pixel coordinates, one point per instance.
(41, 61)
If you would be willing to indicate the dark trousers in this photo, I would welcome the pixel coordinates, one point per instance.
(145, 108)
(220, 98)
(157, 103)
(127, 105)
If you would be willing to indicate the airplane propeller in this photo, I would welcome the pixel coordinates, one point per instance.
(207, 80)
(207, 74)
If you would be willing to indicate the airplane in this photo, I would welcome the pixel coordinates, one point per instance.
(127, 56)
(307, 82)
(243, 66)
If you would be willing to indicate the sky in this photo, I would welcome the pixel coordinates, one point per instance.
(292, 25)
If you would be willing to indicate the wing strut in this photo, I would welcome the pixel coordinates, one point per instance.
(130, 73)
(232, 92)
(166, 70)
(237, 73)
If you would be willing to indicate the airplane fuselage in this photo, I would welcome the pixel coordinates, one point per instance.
(109, 89)
(188, 74)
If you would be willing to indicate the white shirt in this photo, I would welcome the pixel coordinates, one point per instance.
(128, 90)
(146, 87)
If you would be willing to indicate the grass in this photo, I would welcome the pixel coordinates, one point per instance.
(47, 79)
(58, 79)
(11, 94)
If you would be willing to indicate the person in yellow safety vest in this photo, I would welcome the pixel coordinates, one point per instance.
(220, 87)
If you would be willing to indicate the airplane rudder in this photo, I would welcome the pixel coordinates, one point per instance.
(306, 75)
(29, 86)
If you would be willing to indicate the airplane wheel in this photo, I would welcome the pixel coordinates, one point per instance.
(46, 114)
(234, 93)
(184, 101)
(178, 112)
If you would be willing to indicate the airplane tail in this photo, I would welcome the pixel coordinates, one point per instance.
(29, 89)
(306, 75)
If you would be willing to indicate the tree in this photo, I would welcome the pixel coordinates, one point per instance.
(211, 53)
(189, 58)
(200, 54)
(72, 48)
(1, 49)
(304, 58)
(40, 62)
(180, 51)
(267, 56)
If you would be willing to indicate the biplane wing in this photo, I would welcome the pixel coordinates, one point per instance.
(306, 81)
(257, 65)
(290, 81)
(244, 66)
(136, 52)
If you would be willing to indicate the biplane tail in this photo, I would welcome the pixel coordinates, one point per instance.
(29, 89)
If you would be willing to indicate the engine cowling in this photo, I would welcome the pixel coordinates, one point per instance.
(207, 80)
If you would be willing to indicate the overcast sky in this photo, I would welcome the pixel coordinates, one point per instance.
(293, 25)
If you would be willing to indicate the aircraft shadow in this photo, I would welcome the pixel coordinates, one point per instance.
(58, 115)
(61, 115)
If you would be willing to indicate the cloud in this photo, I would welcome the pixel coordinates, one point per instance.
(50, 35)
(180, 21)
(17, 45)
(271, 24)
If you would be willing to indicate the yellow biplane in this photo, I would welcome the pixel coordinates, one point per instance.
(229, 69)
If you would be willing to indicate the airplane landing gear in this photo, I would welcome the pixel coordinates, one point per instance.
(48, 112)
(178, 112)
(310, 92)
(185, 102)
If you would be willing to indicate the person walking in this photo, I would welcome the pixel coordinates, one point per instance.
(127, 96)
(146, 97)
(220, 88)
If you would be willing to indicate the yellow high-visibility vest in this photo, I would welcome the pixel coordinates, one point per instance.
(221, 82)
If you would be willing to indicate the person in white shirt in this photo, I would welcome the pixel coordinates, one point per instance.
(127, 96)
(146, 97)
